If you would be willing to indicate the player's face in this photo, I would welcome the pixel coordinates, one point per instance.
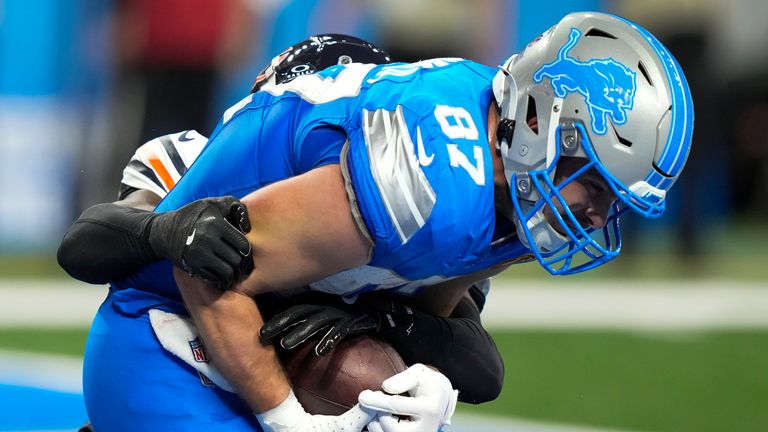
(588, 197)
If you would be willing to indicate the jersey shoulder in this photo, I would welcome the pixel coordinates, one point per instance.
(158, 164)
(417, 169)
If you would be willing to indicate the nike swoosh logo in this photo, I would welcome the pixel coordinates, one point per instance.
(184, 138)
(191, 237)
(424, 160)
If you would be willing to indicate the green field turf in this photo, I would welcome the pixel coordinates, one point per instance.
(697, 382)
(70, 341)
(656, 382)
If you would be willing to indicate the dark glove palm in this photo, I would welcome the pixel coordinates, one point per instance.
(202, 238)
(302, 322)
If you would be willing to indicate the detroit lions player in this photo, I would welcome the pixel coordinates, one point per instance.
(421, 186)
(100, 246)
(103, 232)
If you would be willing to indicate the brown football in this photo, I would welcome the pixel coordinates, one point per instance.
(330, 384)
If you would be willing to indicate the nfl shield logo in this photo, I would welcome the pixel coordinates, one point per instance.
(198, 350)
(205, 380)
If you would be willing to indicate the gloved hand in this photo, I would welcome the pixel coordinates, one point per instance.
(290, 416)
(429, 406)
(301, 322)
(206, 239)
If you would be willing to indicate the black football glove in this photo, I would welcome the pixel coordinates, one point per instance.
(206, 239)
(300, 323)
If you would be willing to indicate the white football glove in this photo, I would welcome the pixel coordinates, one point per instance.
(429, 407)
(290, 416)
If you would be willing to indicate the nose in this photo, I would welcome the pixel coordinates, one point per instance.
(597, 213)
(597, 220)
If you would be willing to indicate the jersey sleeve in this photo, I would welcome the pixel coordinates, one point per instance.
(159, 164)
(420, 174)
(391, 194)
(321, 146)
(248, 150)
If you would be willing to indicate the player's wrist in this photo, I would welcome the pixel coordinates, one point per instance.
(287, 416)
(290, 416)
(160, 233)
(150, 238)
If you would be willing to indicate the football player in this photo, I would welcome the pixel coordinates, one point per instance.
(420, 179)
(111, 241)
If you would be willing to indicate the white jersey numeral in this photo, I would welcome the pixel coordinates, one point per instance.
(475, 170)
(460, 125)
(457, 123)
(401, 70)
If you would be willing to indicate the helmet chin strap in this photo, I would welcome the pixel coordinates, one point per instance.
(545, 237)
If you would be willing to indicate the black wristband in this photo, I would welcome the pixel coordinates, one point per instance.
(108, 242)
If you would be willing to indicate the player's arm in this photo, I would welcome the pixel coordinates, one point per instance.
(449, 343)
(302, 230)
(108, 241)
(452, 337)
(111, 241)
(457, 345)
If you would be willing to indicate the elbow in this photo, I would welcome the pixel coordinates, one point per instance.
(70, 258)
(487, 382)
(495, 382)
(66, 253)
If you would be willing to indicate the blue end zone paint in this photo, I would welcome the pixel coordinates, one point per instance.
(27, 409)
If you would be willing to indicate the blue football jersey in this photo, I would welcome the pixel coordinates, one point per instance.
(412, 141)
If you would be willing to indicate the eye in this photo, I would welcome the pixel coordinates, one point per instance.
(597, 186)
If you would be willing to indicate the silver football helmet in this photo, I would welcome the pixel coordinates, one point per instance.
(604, 89)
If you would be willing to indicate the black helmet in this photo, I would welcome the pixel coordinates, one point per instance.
(317, 53)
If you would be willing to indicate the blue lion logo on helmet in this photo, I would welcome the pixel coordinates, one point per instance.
(608, 86)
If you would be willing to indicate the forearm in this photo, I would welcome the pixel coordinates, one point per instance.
(229, 323)
(107, 242)
(458, 345)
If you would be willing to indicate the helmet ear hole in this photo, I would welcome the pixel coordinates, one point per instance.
(595, 32)
(622, 140)
(644, 71)
(531, 116)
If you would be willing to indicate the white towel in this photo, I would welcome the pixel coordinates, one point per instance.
(180, 337)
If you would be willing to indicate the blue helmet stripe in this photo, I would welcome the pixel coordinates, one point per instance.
(678, 143)
(681, 133)
(686, 131)
(659, 181)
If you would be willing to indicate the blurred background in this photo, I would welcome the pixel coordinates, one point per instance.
(672, 336)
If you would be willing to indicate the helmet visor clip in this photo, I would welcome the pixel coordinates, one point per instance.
(505, 130)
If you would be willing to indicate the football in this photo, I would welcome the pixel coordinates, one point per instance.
(330, 384)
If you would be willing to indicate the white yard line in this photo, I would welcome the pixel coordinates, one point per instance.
(677, 305)
(50, 372)
(557, 303)
(25, 303)
(475, 423)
